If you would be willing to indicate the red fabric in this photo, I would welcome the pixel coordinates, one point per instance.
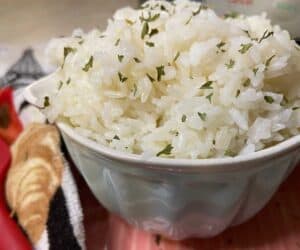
(10, 125)
(11, 235)
(276, 227)
(5, 158)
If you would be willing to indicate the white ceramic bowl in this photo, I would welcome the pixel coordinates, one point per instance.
(178, 198)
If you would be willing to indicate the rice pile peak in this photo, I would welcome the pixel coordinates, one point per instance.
(176, 80)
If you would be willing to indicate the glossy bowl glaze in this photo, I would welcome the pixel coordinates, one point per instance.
(178, 198)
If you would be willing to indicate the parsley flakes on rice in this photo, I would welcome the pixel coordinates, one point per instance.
(176, 80)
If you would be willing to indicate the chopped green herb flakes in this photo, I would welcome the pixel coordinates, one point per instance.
(255, 70)
(209, 97)
(232, 15)
(136, 60)
(145, 30)
(46, 101)
(176, 56)
(269, 99)
(195, 13)
(231, 64)
(134, 89)
(150, 18)
(201, 7)
(120, 58)
(150, 44)
(266, 35)
(230, 153)
(153, 32)
(268, 62)
(121, 77)
(163, 8)
(166, 151)
(60, 85)
(247, 82)
(247, 33)
(89, 64)
(207, 85)
(220, 46)
(128, 21)
(117, 42)
(202, 116)
(189, 20)
(284, 101)
(150, 78)
(160, 72)
(245, 47)
(67, 51)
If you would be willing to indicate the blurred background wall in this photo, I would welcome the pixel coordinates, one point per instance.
(28, 22)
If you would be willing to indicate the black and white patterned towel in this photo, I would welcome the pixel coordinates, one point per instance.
(64, 230)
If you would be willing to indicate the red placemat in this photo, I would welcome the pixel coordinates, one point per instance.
(276, 227)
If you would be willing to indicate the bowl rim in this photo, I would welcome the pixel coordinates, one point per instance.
(185, 165)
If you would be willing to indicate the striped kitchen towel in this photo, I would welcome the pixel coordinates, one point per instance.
(63, 227)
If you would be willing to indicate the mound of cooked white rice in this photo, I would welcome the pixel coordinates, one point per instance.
(176, 80)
